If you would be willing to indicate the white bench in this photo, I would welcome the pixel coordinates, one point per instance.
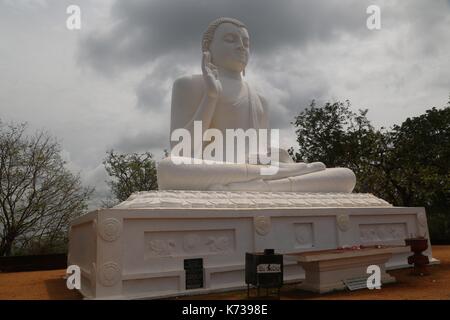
(326, 270)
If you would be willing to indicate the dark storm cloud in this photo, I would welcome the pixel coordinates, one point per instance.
(166, 35)
(163, 38)
(145, 30)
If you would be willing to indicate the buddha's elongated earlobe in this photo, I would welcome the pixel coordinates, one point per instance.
(243, 72)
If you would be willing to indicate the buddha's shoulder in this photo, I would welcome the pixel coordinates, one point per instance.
(188, 83)
(258, 92)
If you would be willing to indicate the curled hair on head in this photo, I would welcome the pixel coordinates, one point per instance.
(208, 35)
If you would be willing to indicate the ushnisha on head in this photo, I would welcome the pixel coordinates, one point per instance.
(228, 42)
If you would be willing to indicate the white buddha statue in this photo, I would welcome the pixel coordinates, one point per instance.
(219, 99)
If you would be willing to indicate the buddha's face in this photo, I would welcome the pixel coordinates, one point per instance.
(230, 47)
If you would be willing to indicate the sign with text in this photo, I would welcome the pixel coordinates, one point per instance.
(268, 268)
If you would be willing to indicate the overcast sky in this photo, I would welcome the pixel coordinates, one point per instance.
(108, 85)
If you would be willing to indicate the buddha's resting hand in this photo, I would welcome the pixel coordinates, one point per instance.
(177, 171)
(293, 169)
(283, 155)
(210, 76)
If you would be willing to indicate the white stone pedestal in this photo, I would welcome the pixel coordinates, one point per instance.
(138, 249)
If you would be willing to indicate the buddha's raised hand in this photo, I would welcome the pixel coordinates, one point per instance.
(210, 76)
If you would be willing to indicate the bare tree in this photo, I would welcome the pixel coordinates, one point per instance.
(38, 195)
(130, 173)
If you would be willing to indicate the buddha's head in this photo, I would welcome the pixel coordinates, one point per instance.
(227, 40)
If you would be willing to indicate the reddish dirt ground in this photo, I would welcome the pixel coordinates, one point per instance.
(45, 285)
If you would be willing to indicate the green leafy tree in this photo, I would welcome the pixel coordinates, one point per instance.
(339, 137)
(130, 173)
(418, 167)
(38, 195)
(408, 165)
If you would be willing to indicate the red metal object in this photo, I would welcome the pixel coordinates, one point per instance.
(420, 261)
